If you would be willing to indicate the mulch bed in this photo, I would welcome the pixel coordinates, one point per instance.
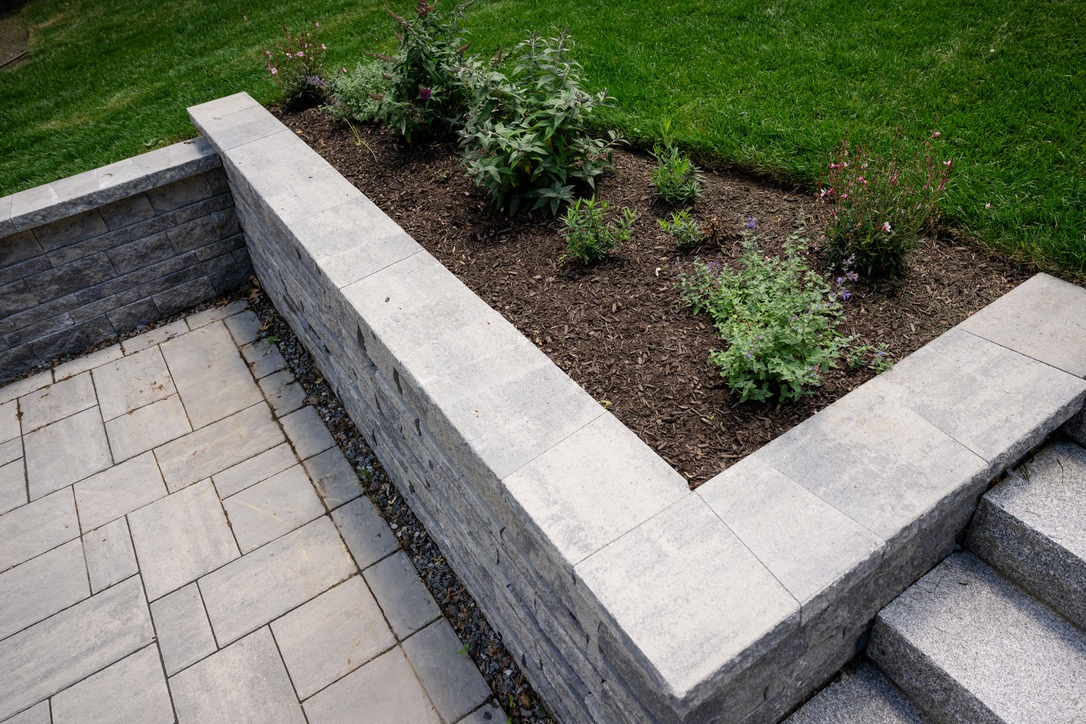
(620, 329)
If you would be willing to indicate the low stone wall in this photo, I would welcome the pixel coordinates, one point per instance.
(101, 253)
(624, 595)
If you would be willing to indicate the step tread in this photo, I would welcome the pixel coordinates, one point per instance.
(861, 695)
(964, 640)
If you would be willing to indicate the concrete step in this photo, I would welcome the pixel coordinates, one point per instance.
(966, 645)
(1032, 529)
(859, 695)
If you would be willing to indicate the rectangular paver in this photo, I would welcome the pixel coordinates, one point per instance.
(208, 371)
(254, 470)
(37, 589)
(66, 451)
(184, 633)
(334, 478)
(407, 604)
(88, 362)
(147, 428)
(307, 432)
(110, 555)
(131, 690)
(282, 392)
(9, 421)
(385, 688)
(57, 401)
(118, 491)
(25, 386)
(132, 382)
(447, 673)
(156, 336)
(264, 358)
(37, 714)
(37, 527)
(12, 485)
(366, 533)
(267, 510)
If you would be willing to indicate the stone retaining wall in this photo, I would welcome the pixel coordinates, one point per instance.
(624, 595)
(101, 253)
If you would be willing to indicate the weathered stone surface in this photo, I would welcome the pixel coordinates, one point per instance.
(193, 234)
(16, 297)
(180, 538)
(215, 313)
(74, 339)
(210, 374)
(165, 165)
(367, 535)
(247, 677)
(11, 273)
(333, 477)
(12, 485)
(445, 670)
(186, 191)
(407, 604)
(18, 247)
(57, 401)
(88, 362)
(244, 327)
(184, 633)
(229, 128)
(859, 696)
(282, 392)
(9, 421)
(81, 443)
(132, 382)
(1075, 428)
(307, 432)
(126, 212)
(37, 589)
(118, 491)
(486, 714)
(158, 335)
(1043, 318)
(968, 646)
(133, 689)
(386, 689)
(254, 470)
(267, 510)
(1032, 528)
(147, 428)
(72, 277)
(141, 252)
(33, 207)
(185, 295)
(264, 358)
(37, 714)
(37, 527)
(110, 556)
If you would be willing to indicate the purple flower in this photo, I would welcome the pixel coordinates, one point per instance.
(846, 295)
(752, 222)
(425, 93)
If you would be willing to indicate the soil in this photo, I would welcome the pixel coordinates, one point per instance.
(14, 36)
(620, 329)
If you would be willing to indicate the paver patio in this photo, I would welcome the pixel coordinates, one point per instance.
(180, 540)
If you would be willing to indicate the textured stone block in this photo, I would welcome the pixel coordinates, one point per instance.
(183, 296)
(386, 689)
(131, 316)
(210, 374)
(221, 107)
(110, 556)
(193, 234)
(72, 277)
(240, 124)
(126, 212)
(365, 532)
(18, 247)
(141, 252)
(133, 381)
(16, 297)
(1075, 428)
(187, 158)
(272, 508)
(133, 689)
(70, 230)
(65, 452)
(118, 491)
(333, 478)
(57, 401)
(183, 192)
(10, 273)
(407, 604)
(858, 695)
(447, 673)
(33, 207)
(307, 432)
(37, 589)
(39, 526)
(74, 339)
(184, 633)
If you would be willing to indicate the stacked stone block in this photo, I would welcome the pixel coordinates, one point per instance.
(104, 252)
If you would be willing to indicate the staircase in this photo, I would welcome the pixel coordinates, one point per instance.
(997, 631)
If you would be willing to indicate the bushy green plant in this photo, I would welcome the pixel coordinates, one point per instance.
(525, 137)
(676, 178)
(589, 236)
(686, 232)
(777, 316)
(356, 95)
(297, 65)
(882, 204)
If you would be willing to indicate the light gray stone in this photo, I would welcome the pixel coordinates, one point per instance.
(450, 678)
(184, 633)
(37, 714)
(265, 584)
(73, 644)
(132, 382)
(110, 556)
(9, 421)
(119, 179)
(367, 535)
(386, 689)
(244, 327)
(245, 682)
(158, 335)
(270, 509)
(1043, 318)
(11, 451)
(1032, 527)
(218, 447)
(968, 646)
(264, 358)
(210, 374)
(34, 207)
(165, 165)
(333, 477)
(147, 427)
(180, 538)
(66, 451)
(88, 362)
(25, 386)
(282, 392)
(487, 714)
(57, 401)
(118, 491)
(407, 604)
(133, 689)
(229, 128)
(37, 589)
(307, 432)
(214, 314)
(859, 696)
(33, 529)
(330, 636)
(695, 606)
(12, 485)
(254, 470)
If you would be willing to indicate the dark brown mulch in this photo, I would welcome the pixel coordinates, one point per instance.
(619, 329)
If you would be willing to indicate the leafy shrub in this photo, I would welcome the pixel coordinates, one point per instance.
(589, 237)
(356, 95)
(297, 65)
(684, 230)
(778, 317)
(524, 138)
(676, 178)
(881, 205)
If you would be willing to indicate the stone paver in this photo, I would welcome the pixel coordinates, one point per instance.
(174, 547)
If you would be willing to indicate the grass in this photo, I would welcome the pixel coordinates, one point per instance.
(768, 87)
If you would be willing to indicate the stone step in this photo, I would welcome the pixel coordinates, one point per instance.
(966, 645)
(859, 695)
(1032, 529)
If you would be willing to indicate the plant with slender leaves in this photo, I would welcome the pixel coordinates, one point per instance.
(297, 65)
(676, 178)
(686, 231)
(589, 236)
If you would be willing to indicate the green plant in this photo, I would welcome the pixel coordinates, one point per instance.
(882, 204)
(356, 95)
(684, 230)
(872, 356)
(525, 137)
(777, 316)
(676, 178)
(297, 65)
(589, 236)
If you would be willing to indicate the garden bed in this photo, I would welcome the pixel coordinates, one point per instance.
(620, 330)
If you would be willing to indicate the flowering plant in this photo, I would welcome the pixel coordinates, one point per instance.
(297, 65)
(882, 204)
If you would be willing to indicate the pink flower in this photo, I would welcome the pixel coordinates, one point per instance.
(324, 47)
(948, 163)
(300, 54)
(862, 180)
(936, 134)
(274, 70)
(886, 226)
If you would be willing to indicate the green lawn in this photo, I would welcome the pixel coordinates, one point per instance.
(765, 86)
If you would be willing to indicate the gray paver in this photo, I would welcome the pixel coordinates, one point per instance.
(334, 478)
(210, 374)
(25, 386)
(37, 589)
(307, 432)
(37, 527)
(860, 696)
(147, 428)
(131, 690)
(66, 451)
(184, 633)
(282, 392)
(488, 714)
(10, 451)
(69, 646)
(9, 421)
(332, 635)
(12, 485)
(180, 538)
(445, 670)
(265, 584)
(367, 535)
(132, 382)
(110, 556)
(118, 491)
(37, 714)
(407, 604)
(385, 689)
(264, 358)
(88, 362)
(245, 682)
(244, 327)
(217, 447)
(57, 401)
(254, 470)
(214, 314)
(153, 337)
(267, 510)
